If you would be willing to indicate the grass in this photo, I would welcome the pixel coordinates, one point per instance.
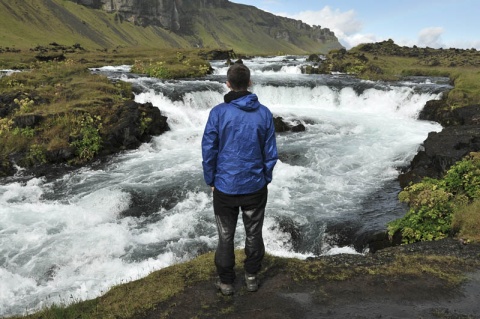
(40, 22)
(60, 93)
(248, 31)
(466, 222)
(66, 95)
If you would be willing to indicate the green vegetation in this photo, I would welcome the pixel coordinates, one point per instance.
(89, 141)
(40, 22)
(58, 111)
(174, 65)
(466, 222)
(248, 31)
(56, 107)
(443, 207)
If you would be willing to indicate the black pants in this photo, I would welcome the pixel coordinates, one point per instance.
(226, 208)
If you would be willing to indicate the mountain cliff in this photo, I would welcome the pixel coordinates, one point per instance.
(158, 24)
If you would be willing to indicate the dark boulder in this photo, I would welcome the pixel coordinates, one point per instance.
(27, 120)
(282, 126)
(441, 151)
(60, 155)
(460, 136)
(218, 55)
(50, 57)
(437, 110)
(134, 124)
(298, 128)
(157, 126)
(314, 58)
(7, 103)
(6, 167)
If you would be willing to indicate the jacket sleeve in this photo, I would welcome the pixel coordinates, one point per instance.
(210, 149)
(270, 152)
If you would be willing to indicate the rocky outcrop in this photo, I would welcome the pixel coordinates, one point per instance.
(131, 127)
(282, 126)
(132, 124)
(168, 14)
(459, 137)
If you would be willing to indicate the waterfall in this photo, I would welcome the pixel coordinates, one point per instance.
(74, 237)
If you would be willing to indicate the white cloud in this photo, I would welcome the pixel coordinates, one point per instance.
(358, 38)
(345, 25)
(431, 37)
(348, 29)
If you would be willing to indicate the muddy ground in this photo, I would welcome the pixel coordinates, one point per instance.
(363, 296)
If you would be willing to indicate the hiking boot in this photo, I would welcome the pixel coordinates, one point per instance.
(251, 282)
(225, 289)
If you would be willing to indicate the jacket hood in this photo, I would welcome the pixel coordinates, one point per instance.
(247, 103)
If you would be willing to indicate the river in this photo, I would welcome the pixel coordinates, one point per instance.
(71, 238)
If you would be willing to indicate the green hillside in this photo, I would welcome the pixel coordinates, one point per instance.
(29, 23)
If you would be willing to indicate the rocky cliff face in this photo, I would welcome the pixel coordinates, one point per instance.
(165, 13)
(177, 15)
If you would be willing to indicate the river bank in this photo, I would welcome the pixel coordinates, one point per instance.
(427, 280)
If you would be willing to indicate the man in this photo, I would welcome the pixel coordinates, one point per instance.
(239, 153)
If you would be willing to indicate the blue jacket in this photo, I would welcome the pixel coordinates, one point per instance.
(239, 149)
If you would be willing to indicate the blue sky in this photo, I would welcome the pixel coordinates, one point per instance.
(432, 23)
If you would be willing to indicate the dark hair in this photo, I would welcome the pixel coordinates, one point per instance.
(239, 76)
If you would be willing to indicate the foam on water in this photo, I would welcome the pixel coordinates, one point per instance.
(74, 237)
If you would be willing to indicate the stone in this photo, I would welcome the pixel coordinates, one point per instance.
(282, 126)
(27, 120)
(127, 133)
(441, 151)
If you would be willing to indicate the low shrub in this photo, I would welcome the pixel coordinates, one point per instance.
(434, 203)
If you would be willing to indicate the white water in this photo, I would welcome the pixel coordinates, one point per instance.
(73, 238)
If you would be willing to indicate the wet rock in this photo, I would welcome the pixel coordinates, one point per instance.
(441, 151)
(289, 226)
(460, 136)
(60, 155)
(282, 126)
(6, 167)
(134, 124)
(314, 58)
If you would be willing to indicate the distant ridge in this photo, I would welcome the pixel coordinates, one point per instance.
(106, 24)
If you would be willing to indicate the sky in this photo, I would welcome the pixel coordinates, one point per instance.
(424, 23)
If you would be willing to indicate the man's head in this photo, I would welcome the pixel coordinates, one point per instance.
(238, 77)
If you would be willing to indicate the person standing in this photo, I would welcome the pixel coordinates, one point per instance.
(239, 152)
